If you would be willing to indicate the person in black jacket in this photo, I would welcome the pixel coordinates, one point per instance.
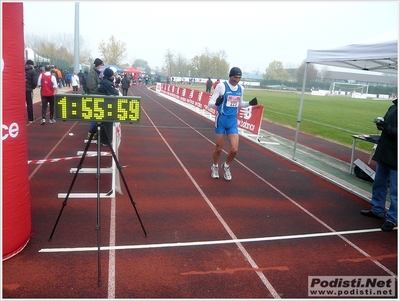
(209, 85)
(125, 83)
(107, 87)
(386, 170)
(31, 78)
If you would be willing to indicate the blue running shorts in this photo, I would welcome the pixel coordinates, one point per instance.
(226, 123)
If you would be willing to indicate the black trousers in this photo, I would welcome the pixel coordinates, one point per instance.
(29, 105)
(47, 100)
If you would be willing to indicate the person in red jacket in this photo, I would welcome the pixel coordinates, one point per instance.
(216, 83)
(48, 87)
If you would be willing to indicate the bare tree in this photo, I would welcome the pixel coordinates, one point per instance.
(169, 61)
(113, 52)
(323, 73)
(181, 65)
(60, 46)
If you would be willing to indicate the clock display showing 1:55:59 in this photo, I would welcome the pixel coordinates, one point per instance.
(97, 108)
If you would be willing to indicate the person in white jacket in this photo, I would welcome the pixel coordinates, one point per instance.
(74, 83)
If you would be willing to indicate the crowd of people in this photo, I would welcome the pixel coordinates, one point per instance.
(71, 79)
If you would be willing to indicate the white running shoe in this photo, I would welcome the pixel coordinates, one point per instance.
(227, 172)
(214, 172)
(52, 121)
(43, 121)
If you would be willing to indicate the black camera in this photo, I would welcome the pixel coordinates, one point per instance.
(379, 119)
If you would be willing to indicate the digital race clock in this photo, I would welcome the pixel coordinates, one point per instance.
(97, 107)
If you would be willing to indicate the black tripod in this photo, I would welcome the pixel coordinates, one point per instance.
(98, 129)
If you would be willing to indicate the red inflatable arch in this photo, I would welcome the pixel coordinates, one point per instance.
(16, 195)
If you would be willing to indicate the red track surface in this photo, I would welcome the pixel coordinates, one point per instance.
(253, 237)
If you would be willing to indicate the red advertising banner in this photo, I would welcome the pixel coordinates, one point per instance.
(249, 118)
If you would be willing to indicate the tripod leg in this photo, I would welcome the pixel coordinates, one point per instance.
(98, 203)
(125, 184)
(79, 167)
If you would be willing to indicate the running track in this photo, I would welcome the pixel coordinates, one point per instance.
(258, 236)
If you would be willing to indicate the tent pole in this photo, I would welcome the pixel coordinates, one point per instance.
(300, 110)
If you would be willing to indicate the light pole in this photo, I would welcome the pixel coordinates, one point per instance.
(76, 39)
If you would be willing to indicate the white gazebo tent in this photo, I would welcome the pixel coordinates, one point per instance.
(373, 57)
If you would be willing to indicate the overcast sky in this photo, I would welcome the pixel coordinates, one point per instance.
(252, 33)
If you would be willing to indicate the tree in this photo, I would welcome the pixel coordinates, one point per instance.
(181, 65)
(323, 74)
(113, 52)
(210, 64)
(312, 73)
(62, 49)
(139, 63)
(169, 61)
(275, 71)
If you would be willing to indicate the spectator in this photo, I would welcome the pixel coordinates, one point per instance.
(386, 171)
(216, 83)
(48, 84)
(68, 77)
(117, 80)
(125, 83)
(84, 81)
(75, 83)
(54, 72)
(92, 83)
(31, 79)
(64, 72)
(80, 76)
(59, 76)
(209, 85)
(107, 87)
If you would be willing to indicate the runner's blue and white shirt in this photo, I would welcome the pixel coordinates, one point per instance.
(233, 98)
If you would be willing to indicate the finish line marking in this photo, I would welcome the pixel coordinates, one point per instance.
(66, 158)
(204, 243)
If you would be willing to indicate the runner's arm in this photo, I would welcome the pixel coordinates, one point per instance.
(219, 90)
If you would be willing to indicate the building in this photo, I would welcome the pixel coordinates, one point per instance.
(362, 78)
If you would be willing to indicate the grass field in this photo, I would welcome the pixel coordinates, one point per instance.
(334, 118)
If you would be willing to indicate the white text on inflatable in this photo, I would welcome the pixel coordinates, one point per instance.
(10, 131)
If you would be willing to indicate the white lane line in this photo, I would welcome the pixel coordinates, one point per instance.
(293, 201)
(253, 264)
(52, 150)
(111, 255)
(247, 256)
(207, 243)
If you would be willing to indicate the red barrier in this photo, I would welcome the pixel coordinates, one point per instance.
(249, 118)
(16, 195)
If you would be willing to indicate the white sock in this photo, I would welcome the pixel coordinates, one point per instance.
(215, 165)
(226, 165)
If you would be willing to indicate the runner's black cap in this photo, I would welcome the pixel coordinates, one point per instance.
(235, 71)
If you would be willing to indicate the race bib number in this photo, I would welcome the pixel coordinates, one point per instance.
(233, 101)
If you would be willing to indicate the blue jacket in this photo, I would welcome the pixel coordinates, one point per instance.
(107, 87)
